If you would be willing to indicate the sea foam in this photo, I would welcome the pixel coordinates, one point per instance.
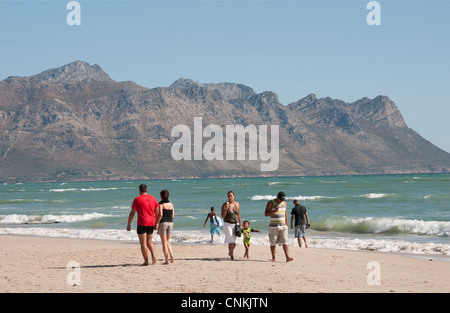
(203, 237)
(301, 198)
(14, 219)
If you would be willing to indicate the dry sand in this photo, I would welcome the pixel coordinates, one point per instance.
(33, 264)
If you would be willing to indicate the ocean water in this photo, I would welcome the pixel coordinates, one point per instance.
(393, 213)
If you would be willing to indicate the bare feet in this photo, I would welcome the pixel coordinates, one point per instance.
(287, 260)
(167, 261)
(153, 260)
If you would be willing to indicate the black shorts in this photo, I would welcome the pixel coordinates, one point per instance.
(145, 230)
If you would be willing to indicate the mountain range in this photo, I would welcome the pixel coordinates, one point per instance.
(76, 123)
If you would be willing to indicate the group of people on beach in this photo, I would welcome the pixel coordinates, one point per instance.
(246, 230)
(154, 215)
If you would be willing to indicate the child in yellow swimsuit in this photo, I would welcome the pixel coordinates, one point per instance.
(247, 231)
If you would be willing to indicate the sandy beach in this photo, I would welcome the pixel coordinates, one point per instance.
(34, 264)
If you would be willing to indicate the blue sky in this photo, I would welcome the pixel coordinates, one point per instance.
(292, 48)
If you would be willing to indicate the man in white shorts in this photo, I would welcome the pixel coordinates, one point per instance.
(278, 227)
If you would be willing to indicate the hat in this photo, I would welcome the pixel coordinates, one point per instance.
(281, 195)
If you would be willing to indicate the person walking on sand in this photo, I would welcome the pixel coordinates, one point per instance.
(247, 231)
(299, 212)
(164, 224)
(214, 223)
(231, 214)
(145, 206)
(278, 227)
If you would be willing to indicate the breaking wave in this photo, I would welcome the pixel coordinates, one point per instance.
(17, 219)
(390, 246)
(84, 189)
(373, 195)
(319, 197)
(301, 198)
(392, 226)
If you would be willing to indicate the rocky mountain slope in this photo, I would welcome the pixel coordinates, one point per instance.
(76, 123)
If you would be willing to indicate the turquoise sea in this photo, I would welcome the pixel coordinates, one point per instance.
(393, 213)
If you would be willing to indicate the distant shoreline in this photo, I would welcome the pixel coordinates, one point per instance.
(147, 178)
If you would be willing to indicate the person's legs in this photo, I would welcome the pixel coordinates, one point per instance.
(286, 253)
(151, 248)
(143, 242)
(246, 246)
(211, 231)
(273, 238)
(230, 238)
(164, 247)
(298, 235)
(169, 248)
(304, 239)
(273, 249)
(231, 247)
(283, 240)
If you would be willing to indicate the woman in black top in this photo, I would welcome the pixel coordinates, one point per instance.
(164, 224)
(231, 214)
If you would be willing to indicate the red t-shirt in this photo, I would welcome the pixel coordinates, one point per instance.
(145, 206)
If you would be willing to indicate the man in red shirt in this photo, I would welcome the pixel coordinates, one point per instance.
(145, 206)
